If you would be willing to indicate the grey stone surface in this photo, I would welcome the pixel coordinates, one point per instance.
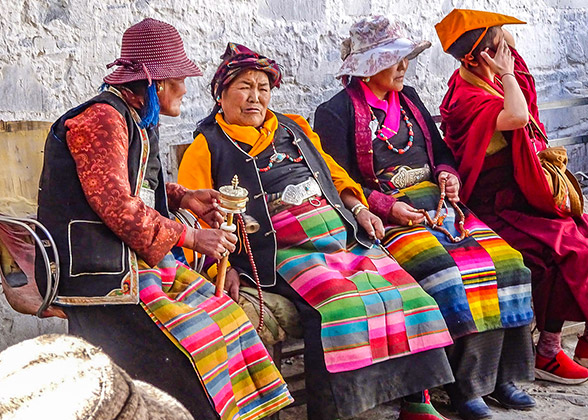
(554, 401)
(15, 327)
(306, 10)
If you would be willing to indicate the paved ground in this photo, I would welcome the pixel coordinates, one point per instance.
(554, 402)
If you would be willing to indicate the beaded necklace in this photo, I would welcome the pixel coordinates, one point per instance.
(380, 135)
(278, 157)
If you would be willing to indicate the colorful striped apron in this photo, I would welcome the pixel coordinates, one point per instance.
(216, 335)
(371, 309)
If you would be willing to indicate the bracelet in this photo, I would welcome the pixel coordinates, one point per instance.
(357, 208)
(507, 74)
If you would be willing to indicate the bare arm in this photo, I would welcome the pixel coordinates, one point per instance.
(515, 113)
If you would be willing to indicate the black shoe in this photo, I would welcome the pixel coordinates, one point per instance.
(474, 409)
(508, 395)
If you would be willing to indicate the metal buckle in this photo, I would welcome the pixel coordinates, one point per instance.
(296, 194)
(406, 177)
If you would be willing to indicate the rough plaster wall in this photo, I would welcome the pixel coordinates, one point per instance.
(53, 52)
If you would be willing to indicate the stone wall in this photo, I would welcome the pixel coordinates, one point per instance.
(53, 52)
(15, 327)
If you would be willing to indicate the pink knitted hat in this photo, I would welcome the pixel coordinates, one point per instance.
(151, 50)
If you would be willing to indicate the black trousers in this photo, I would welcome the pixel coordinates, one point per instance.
(482, 361)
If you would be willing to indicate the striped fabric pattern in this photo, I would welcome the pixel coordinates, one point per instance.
(228, 356)
(480, 283)
(371, 309)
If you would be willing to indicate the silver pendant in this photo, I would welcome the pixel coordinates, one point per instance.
(277, 157)
(374, 125)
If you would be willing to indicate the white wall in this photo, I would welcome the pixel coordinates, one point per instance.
(53, 52)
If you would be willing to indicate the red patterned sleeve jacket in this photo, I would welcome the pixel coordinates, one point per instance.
(98, 141)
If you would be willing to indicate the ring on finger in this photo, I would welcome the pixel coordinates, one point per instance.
(409, 222)
(224, 254)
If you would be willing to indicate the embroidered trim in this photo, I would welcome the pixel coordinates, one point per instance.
(131, 298)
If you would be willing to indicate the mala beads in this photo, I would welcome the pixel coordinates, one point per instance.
(436, 222)
(381, 136)
(253, 269)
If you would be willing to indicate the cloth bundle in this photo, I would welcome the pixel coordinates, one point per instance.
(565, 188)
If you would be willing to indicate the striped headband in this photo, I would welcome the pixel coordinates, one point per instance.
(238, 58)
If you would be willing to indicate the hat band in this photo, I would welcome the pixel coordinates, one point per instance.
(133, 65)
(376, 45)
(469, 58)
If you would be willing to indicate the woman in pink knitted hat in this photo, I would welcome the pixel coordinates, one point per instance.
(103, 197)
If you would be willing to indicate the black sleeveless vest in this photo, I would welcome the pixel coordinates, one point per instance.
(227, 160)
(96, 267)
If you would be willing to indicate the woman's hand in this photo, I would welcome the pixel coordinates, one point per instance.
(215, 243)
(366, 219)
(405, 214)
(371, 223)
(204, 204)
(503, 60)
(232, 283)
(451, 186)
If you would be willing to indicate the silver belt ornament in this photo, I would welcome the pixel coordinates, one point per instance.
(406, 177)
(296, 194)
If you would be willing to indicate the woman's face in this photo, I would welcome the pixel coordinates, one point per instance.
(389, 79)
(170, 93)
(245, 100)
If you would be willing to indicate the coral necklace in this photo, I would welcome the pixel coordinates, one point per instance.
(278, 157)
(381, 136)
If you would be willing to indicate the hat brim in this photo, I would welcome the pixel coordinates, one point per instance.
(370, 62)
(460, 21)
(185, 68)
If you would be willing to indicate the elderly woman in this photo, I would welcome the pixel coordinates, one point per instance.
(378, 129)
(371, 333)
(491, 124)
(103, 197)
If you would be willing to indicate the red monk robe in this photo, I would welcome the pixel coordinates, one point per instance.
(505, 192)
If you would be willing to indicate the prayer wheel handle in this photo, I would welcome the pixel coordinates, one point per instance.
(233, 200)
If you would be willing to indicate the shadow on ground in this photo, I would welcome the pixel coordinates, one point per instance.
(554, 401)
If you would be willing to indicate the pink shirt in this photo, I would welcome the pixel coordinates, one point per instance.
(390, 105)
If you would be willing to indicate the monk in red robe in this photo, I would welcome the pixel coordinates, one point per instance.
(491, 123)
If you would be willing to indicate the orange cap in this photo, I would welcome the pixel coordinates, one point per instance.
(459, 21)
